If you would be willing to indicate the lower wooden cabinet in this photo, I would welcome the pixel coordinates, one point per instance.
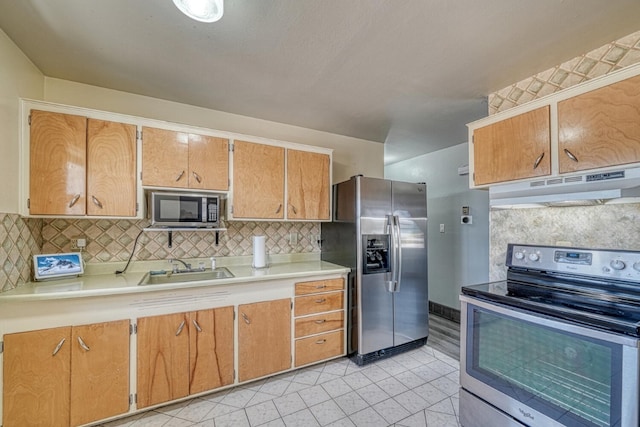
(264, 338)
(66, 376)
(184, 353)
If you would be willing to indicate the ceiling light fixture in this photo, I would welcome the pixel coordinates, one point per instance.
(201, 10)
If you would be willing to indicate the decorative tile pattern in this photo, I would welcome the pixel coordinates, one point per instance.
(20, 240)
(611, 57)
(113, 240)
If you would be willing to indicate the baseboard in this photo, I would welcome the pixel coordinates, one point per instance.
(448, 313)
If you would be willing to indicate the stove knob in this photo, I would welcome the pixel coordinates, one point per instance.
(534, 257)
(520, 256)
(636, 266)
(617, 264)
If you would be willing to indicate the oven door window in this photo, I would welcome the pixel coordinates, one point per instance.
(570, 378)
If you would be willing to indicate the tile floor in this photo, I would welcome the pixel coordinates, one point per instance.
(417, 388)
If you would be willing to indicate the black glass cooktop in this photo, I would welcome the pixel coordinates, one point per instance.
(606, 305)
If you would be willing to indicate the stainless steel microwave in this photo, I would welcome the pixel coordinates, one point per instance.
(184, 209)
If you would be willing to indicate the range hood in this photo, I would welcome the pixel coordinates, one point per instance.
(573, 190)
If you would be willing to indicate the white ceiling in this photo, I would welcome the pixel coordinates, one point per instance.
(409, 73)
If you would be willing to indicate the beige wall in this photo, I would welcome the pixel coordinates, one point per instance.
(18, 78)
(351, 156)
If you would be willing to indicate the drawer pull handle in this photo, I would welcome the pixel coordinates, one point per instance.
(246, 319)
(321, 286)
(570, 155)
(180, 328)
(538, 160)
(320, 322)
(58, 347)
(74, 200)
(180, 175)
(320, 301)
(96, 201)
(82, 344)
(195, 324)
(197, 177)
(322, 341)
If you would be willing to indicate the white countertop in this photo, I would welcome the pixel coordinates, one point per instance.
(101, 280)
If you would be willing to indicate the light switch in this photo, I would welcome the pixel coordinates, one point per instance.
(442, 228)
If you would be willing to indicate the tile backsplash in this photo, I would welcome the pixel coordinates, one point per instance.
(113, 240)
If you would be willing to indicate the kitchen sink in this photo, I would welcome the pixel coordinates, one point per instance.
(163, 277)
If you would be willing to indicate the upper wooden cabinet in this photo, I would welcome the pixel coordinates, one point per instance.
(259, 175)
(184, 160)
(600, 128)
(184, 353)
(80, 166)
(258, 181)
(515, 148)
(66, 376)
(308, 186)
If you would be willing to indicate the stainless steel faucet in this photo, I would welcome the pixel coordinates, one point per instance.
(175, 266)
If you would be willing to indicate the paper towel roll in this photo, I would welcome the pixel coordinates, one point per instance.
(259, 253)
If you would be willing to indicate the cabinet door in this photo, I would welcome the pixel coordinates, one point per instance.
(210, 349)
(307, 185)
(208, 162)
(264, 338)
(57, 161)
(165, 158)
(514, 148)
(258, 181)
(163, 359)
(99, 371)
(36, 372)
(600, 128)
(111, 168)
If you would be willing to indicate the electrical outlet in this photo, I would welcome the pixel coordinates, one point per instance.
(78, 243)
(293, 238)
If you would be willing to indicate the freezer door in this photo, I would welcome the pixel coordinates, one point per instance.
(411, 300)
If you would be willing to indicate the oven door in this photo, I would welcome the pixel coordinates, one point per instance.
(546, 372)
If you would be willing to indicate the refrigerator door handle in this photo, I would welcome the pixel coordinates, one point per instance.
(391, 229)
(398, 258)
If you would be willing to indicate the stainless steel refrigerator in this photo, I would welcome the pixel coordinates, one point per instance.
(379, 230)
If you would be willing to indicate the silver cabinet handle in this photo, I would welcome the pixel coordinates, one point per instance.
(180, 328)
(538, 160)
(180, 175)
(322, 341)
(58, 347)
(293, 208)
(321, 286)
(570, 155)
(320, 322)
(195, 324)
(197, 177)
(74, 200)
(279, 208)
(82, 344)
(246, 319)
(320, 301)
(96, 202)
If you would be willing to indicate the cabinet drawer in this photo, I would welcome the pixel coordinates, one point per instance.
(318, 303)
(319, 323)
(305, 288)
(319, 347)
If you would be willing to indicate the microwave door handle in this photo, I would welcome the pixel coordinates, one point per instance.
(398, 257)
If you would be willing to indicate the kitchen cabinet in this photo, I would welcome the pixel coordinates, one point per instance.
(308, 185)
(600, 128)
(319, 323)
(514, 148)
(67, 375)
(184, 160)
(264, 338)
(258, 181)
(183, 353)
(81, 166)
